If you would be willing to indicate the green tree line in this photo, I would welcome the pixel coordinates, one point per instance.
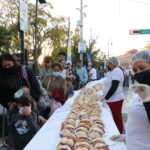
(51, 30)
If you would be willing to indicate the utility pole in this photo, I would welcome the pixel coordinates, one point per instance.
(82, 44)
(81, 26)
(35, 41)
(35, 37)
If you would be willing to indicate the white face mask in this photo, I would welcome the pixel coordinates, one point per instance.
(22, 108)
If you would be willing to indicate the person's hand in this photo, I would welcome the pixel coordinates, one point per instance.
(11, 106)
(26, 90)
(26, 110)
(41, 119)
(74, 77)
(104, 103)
(50, 94)
(119, 137)
(143, 91)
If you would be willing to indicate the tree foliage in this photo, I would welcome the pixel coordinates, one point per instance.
(51, 30)
(52, 33)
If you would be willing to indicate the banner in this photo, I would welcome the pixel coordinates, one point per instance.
(82, 47)
(89, 59)
(69, 57)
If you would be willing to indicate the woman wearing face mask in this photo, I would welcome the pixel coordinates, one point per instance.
(113, 90)
(138, 123)
(55, 83)
(12, 78)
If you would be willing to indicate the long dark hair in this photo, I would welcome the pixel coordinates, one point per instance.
(7, 57)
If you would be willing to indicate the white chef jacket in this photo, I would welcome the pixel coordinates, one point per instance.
(137, 127)
(115, 74)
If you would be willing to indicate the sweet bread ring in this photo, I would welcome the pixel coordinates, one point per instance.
(100, 146)
(83, 139)
(94, 135)
(82, 145)
(65, 132)
(97, 140)
(67, 141)
(82, 128)
(81, 134)
(63, 147)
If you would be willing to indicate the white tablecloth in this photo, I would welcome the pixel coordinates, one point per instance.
(48, 136)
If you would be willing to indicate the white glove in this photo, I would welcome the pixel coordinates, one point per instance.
(119, 137)
(104, 103)
(143, 91)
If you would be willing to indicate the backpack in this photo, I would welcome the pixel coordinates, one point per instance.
(44, 101)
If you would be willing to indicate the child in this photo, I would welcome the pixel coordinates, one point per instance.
(22, 126)
(70, 90)
(41, 120)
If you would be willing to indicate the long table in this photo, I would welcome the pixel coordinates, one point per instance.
(48, 136)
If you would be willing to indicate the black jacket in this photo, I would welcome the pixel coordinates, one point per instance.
(11, 81)
(21, 130)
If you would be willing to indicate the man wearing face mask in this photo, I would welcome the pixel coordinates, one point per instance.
(113, 90)
(138, 123)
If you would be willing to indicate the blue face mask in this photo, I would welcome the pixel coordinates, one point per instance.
(56, 74)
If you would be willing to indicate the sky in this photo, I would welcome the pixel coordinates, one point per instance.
(110, 21)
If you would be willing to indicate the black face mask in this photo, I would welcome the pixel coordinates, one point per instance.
(108, 68)
(143, 77)
(10, 70)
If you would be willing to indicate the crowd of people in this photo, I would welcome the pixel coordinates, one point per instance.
(30, 102)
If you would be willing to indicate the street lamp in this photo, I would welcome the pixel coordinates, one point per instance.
(80, 24)
(35, 37)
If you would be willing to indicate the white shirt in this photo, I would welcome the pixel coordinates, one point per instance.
(63, 73)
(115, 74)
(126, 72)
(93, 74)
(137, 127)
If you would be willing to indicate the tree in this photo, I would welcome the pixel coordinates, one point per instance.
(52, 31)
(5, 39)
(98, 56)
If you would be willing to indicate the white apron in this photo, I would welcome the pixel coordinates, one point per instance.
(138, 127)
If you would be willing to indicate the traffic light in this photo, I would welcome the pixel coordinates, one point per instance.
(42, 1)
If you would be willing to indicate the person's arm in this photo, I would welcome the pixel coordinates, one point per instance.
(35, 87)
(112, 90)
(147, 108)
(31, 123)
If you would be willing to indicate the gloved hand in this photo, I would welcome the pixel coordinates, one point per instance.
(119, 137)
(100, 97)
(143, 91)
(104, 103)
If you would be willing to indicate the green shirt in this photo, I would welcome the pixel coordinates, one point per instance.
(45, 72)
